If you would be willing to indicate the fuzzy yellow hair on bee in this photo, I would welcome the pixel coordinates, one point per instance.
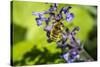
(56, 31)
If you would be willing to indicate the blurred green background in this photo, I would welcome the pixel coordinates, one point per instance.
(29, 44)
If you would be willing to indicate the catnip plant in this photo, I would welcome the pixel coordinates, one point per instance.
(56, 31)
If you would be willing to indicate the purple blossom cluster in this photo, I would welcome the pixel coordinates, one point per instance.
(59, 33)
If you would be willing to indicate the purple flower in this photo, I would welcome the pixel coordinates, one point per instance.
(61, 10)
(78, 41)
(74, 53)
(53, 7)
(40, 18)
(48, 28)
(65, 9)
(61, 44)
(39, 14)
(69, 17)
(64, 36)
(65, 56)
(70, 56)
(73, 44)
(39, 22)
(70, 61)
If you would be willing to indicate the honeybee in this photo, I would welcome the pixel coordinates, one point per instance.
(55, 33)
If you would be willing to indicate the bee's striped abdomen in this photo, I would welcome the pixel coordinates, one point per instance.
(56, 32)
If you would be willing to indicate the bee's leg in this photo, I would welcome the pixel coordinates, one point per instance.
(49, 40)
(48, 34)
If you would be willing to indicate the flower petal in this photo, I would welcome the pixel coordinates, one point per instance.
(39, 22)
(69, 17)
(53, 7)
(65, 56)
(65, 9)
(48, 28)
